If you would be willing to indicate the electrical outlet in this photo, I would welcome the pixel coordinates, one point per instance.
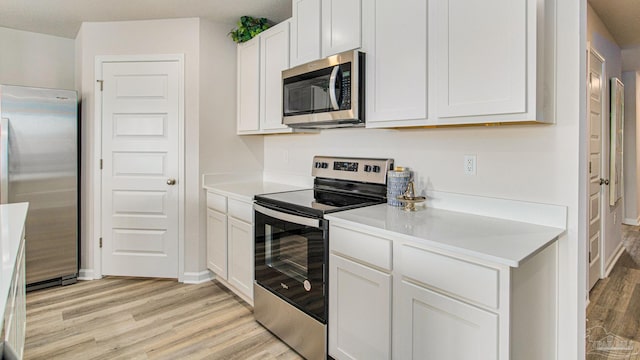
(469, 164)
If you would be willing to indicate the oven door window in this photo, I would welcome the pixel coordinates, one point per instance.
(290, 262)
(287, 253)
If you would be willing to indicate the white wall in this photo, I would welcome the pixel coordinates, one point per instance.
(631, 59)
(175, 36)
(220, 149)
(631, 80)
(539, 163)
(31, 59)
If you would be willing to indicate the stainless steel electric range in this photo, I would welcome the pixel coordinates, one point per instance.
(292, 243)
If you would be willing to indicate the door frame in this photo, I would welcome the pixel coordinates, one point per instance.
(603, 152)
(97, 151)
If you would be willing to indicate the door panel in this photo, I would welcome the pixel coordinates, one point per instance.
(595, 82)
(434, 326)
(494, 82)
(140, 154)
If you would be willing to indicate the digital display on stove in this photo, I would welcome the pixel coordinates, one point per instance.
(345, 166)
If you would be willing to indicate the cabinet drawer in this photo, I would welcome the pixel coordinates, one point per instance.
(241, 210)
(467, 280)
(368, 248)
(216, 202)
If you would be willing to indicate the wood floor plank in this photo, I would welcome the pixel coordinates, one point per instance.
(137, 318)
(614, 304)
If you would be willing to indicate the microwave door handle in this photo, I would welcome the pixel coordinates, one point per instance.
(332, 87)
(300, 220)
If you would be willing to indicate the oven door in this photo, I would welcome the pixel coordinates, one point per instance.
(291, 252)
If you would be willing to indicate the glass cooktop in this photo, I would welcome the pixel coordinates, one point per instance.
(315, 202)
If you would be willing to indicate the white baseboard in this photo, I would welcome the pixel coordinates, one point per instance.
(633, 222)
(197, 277)
(619, 251)
(86, 274)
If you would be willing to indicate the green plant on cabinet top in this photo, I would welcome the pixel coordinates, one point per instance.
(248, 27)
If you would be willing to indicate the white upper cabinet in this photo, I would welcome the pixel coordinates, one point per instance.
(321, 28)
(487, 61)
(248, 103)
(341, 26)
(274, 58)
(395, 42)
(260, 64)
(306, 31)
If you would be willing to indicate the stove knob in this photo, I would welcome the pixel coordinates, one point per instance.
(325, 165)
(318, 165)
(367, 168)
(376, 168)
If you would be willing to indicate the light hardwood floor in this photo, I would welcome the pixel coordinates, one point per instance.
(613, 314)
(133, 318)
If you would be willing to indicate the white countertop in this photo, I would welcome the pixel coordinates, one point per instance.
(12, 218)
(502, 241)
(246, 190)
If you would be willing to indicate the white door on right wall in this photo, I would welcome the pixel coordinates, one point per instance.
(595, 83)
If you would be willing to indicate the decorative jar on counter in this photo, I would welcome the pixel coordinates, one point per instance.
(397, 182)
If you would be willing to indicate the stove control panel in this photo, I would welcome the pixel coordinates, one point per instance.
(353, 169)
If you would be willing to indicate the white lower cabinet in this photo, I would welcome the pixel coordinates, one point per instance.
(359, 311)
(434, 304)
(240, 252)
(217, 242)
(434, 326)
(230, 243)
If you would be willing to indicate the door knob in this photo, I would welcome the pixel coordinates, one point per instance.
(171, 182)
(604, 181)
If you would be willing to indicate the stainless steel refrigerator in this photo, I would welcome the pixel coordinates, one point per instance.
(39, 165)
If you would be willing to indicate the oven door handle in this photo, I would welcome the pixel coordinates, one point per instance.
(300, 220)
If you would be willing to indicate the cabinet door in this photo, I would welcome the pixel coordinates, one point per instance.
(341, 26)
(305, 33)
(481, 56)
(395, 42)
(274, 57)
(217, 243)
(429, 325)
(249, 86)
(359, 311)
(240, 241)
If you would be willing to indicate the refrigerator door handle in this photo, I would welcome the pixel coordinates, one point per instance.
(4, 161)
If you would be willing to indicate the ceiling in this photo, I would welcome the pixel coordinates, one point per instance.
(622, 18)
(63, 17)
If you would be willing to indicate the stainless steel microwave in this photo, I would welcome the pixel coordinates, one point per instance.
(326, 93)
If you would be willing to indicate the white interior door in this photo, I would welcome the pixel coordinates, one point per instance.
(595, 84)
(140, 148)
